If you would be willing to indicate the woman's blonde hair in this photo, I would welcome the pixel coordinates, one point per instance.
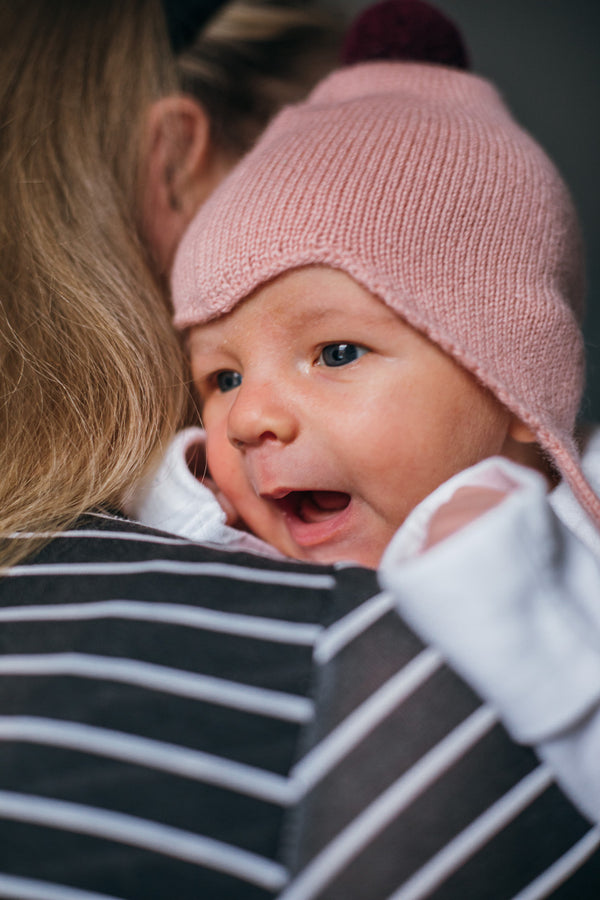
(253, 57)
(92, 379)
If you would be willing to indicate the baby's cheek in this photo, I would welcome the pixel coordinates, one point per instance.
(219, 466)
(226, 472)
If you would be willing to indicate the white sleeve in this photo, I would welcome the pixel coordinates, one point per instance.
(513, 602)
(172, 499)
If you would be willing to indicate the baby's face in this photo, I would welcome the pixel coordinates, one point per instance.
(328, 418)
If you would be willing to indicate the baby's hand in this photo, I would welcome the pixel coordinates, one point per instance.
(465, 505)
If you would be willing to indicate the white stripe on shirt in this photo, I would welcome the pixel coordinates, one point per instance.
(385, 808)
(262, 628)
(558, 873)
(345, 630)
(475, 836)
(185, 762)
(363, 719)
(104, 534)
(13, 887)
(131, 830)
(262, 701)
(176, 567)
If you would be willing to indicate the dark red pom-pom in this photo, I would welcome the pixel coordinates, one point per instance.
(404, 30)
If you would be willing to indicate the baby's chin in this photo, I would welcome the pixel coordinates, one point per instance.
(368, 557)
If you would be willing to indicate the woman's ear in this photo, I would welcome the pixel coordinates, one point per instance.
(177, 172)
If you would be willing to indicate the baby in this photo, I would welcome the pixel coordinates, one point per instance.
(384, 293)
(382, 308)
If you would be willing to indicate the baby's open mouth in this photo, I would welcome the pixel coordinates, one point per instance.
(314, 506)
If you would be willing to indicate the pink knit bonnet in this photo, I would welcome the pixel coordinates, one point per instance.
(416, 181)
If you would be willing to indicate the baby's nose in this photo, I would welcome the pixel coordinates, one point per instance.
(260, 413)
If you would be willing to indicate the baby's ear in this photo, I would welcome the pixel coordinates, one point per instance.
(520, 432)
(521, 445)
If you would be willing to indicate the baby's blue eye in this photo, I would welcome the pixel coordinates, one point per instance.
(340, 354)
(228, 380)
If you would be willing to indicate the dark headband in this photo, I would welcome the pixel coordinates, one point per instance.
(186, 17)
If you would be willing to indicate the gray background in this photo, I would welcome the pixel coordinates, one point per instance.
(544, 57)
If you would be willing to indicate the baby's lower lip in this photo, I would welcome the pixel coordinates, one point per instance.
(315, 517)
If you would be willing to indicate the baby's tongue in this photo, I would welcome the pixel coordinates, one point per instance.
(317, 505)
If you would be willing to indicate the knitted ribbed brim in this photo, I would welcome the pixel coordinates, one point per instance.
(415, 180)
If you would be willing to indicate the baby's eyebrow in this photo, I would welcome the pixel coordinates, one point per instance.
(201, 343)
(339, 323)
(340, 319)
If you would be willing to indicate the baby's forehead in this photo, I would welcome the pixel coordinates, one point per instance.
(307, 295)
(303, 309)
